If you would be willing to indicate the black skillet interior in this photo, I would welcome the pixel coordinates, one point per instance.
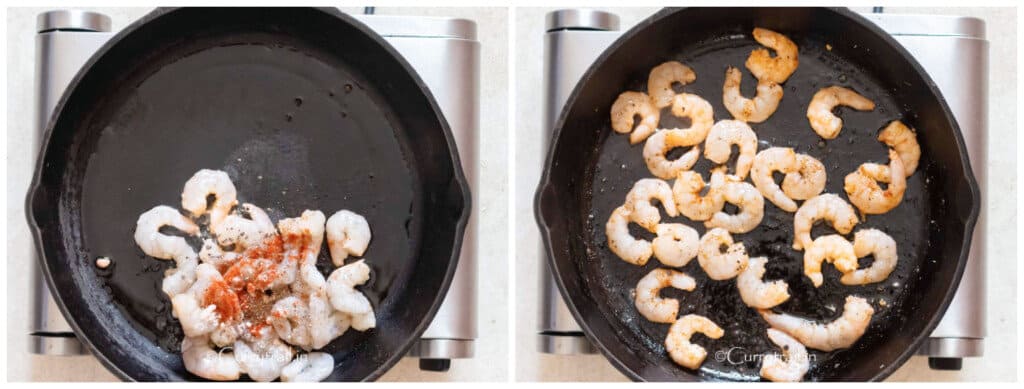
(305, 109)
(590, 170)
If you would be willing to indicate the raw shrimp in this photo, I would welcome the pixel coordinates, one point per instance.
(622, 243)
(348, 233)
(755, 110)
(793, 367)
(659, 83)
(807, 180)
(212, 253)
(243, 233)
(686, 193)
(312, 367)
(678, 345)
(904, 140)
(195, 320)
(654, 307)
(659, 144)
(819, 111)
(325, 324)
(840, 333)
(872, 242)
(290, 318)
(750, 202)
(156, 244)
(263, 357)
(864, 192)
(200, 359)
(676, 244)
(302, 237)
(757, 293)
(630, 104)
(826, 206)
(764, 66)
(207, 183)
(717, 264)
(638, 202)
(768, 161)
(342, 292)
(832, 248)
(724, 134)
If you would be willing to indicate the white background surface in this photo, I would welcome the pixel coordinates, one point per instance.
(491, 347)
(1000, 360)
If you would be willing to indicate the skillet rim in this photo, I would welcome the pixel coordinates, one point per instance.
(463, 194)
(853, 17)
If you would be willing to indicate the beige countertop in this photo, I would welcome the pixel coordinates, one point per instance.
(492, 345)
(1000, 360)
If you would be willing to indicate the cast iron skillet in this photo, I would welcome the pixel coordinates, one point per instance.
(590, 169)
(305, 109)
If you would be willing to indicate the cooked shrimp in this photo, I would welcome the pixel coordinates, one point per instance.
(717, 264)
(904, 140)
(840, 333)
(154, 243)
(348, 233)
(686, 193)
(622, 243)
(757, 293)
(207, 183)
(312, 367)
(768, 161)
(793, 367)
(750, 202)
(808, 179)
(263, 357)
(290, 318)
(872, 242)
(659, 83)
(659, 144)
(819, 111)
(676, 244)
(202, 360)
(755, 110)
(638, 202)
(630, 104)
(864, 192)
(341, 288)
(700, 112)
(654, 307)
(724, 134)
(832, 248)
(764, 66)
(677, 342)
(242, 232)
(826, 206)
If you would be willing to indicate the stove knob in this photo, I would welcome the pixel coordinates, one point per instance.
(945, 363)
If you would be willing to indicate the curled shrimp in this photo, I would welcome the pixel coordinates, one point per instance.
(290, 318)
(212, 253)
(717, 264)
(207, 183)
(341, 288)
(303, 237)
(807, 180)
(312, 367)
(202, 360)
(155, 244)
(348, 233)
(842, 332)
(638, 202)
(724, 134)
(676, 244)
(794, 364)
(628, 105)
(678, 344)
(826, 206)
(686, 193)
(832, 248)
(775, 69)
(654, 307)
(864, 192)
(700, 112)
(757, 293)
(750, 202)
(819, 111)
(622, 243)
(768, 161)
(659, 144)
(872, 242)
(904, 140)
(755, 110)
(197, 316)
(659, 82)
(325, 323)
(263, 356)
(242, 232)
